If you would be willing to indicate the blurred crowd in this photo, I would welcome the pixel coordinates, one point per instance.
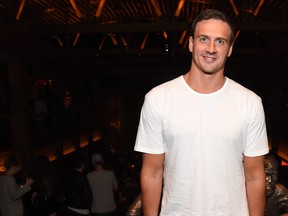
(93, 184)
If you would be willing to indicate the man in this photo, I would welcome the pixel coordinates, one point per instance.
(204, 134)
(103, 184)
(78, 196)
(10, 192)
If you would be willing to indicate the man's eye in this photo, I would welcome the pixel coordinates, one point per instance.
(203, 39)
(220, 42)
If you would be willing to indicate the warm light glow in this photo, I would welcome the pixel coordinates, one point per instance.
(84, 143)
(102, 42)
(76, 9)
(69, 150)
(283, 163)
(20, 9)
(182, 37)
(185, 44)
(3, 157)
(49, 151)
(124, 41)
(282, 154)
(165, 35)
(2, 168)
(68, 146)
(50, 82)
(179, 8)
(114, 41)
(100, 7)
(234, 7)
(115, 124)
(96, 136)
(52, 156)
(84, 140)
(258, 7)
(236, 36)
(67, 98)
(144, 41)
(156, 7)
(76, 39)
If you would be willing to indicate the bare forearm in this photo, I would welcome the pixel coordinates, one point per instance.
(151, 188)
(256, 196)
(151, 182)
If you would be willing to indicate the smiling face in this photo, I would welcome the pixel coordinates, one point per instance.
(210, 46)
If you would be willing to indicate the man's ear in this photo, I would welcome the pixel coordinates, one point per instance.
(190, 43)
(230, 50)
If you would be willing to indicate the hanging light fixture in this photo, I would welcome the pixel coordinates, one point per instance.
(76, 9)
(234, 7)
(144, 41)
(99, 9)
(258, 7)
(179, 8)
(20, 9)
(76, 39)
(156, 7)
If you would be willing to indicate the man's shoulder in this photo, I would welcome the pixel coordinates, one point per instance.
(108, 171)
(89, 174)
(5, 177)
(242, 90)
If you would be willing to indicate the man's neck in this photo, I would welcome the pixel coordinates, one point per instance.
(99, 168)
(205, 83)
(10, 172)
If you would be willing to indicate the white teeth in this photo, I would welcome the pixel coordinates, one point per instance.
(209, 59)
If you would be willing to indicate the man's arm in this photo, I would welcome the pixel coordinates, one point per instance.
(151, 182)
(255, 184)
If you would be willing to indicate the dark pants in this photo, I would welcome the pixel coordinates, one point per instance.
(69, 212)
(113, 213)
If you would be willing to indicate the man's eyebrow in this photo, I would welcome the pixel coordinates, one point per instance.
(220, 38)
(217, 38)
(202, 35)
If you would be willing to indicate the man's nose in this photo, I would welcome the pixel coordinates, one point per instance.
(211, 48)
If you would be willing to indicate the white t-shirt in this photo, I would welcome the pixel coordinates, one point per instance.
(204, 138)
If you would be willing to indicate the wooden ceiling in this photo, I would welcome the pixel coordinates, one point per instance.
(139, 25)
(150, 28)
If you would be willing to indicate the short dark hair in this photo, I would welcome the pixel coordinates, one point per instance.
(11, 161)
(213, 14)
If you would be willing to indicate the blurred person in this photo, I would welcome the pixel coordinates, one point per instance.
(104, 185)
(276, 193)
(203, 136)
(10, 192)
(47, 188)
(77, 193)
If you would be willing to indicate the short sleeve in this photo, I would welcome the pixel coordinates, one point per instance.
(149, 136)
(256, 141)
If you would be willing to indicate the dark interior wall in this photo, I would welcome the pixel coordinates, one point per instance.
(116, 85)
